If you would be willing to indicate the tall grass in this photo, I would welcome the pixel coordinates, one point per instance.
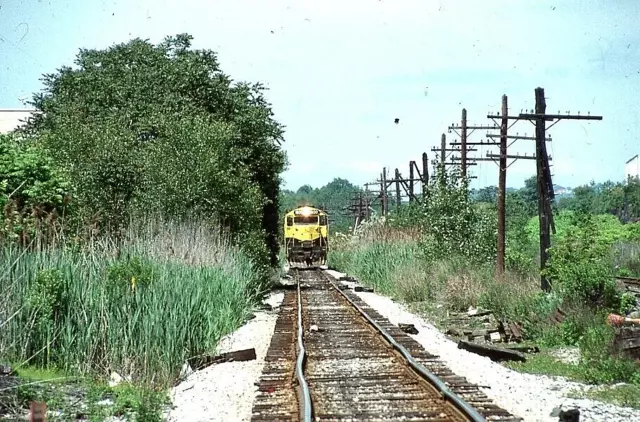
(627, 258)
(140, 308)
(390, 260)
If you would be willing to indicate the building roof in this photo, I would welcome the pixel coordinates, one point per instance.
(12, 118)
(631, 159)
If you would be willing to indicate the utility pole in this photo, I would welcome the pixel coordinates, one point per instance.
(383, 192)
(541, 185)
(463, 141)
(464, 134)
(411, 193)
(544, 185)
(397, 189)
(425, 174)
(502, 187)
(442, 151)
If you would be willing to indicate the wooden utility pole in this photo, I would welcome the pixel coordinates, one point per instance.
(398, 201)
(411, 192)
(463, 141)
(541, 186)
(443, 150)
(425, 172)
(383, 192)
(502, 187)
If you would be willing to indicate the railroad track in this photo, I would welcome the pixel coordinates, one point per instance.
(334, 358)
(632, 284)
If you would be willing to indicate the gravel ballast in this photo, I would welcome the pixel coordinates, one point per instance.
(532, 397)
(225, 391)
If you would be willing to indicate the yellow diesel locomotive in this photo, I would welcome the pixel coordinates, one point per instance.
(306, 231)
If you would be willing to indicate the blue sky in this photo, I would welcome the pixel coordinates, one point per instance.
(339, 72)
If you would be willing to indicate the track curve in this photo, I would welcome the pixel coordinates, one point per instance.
(356, 365)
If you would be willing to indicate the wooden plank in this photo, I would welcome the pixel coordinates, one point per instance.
(492, 352)
(201, 362)
(524, 349)
(516, 331)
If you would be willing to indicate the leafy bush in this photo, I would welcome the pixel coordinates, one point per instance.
(452, 226)
(33, 192)
(598, 363)
(129, 274)
(580, 266)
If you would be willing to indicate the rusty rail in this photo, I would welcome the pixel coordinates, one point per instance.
(304, 396)
(458, 402)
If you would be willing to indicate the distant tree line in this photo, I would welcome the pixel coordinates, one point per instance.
(617, 198)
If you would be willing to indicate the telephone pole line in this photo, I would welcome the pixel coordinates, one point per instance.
(544, 183)
(404, 188)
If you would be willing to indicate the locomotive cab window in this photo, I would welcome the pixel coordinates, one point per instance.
(306, 220)
(323, 220)
(289, 221)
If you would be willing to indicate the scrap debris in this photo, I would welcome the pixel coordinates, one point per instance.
(408, 328)
(494, 353)
(481, 326)
(201, 362)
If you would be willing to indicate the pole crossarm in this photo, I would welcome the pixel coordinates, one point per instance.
(475, 143)
(527, 138)
(530, 116)
(475, 127)
(472, 159)
(457, 164)
(515, 156)
(453, 149)
(520, 117)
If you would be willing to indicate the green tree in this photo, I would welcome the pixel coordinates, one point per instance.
(487, 194)
(146, 128)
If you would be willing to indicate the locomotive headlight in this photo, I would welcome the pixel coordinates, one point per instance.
(306, 211)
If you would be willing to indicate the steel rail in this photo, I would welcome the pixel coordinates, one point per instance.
(305, 395)
(457, 401)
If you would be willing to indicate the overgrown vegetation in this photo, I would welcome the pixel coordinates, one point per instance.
(104, 267)
(441, 256)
